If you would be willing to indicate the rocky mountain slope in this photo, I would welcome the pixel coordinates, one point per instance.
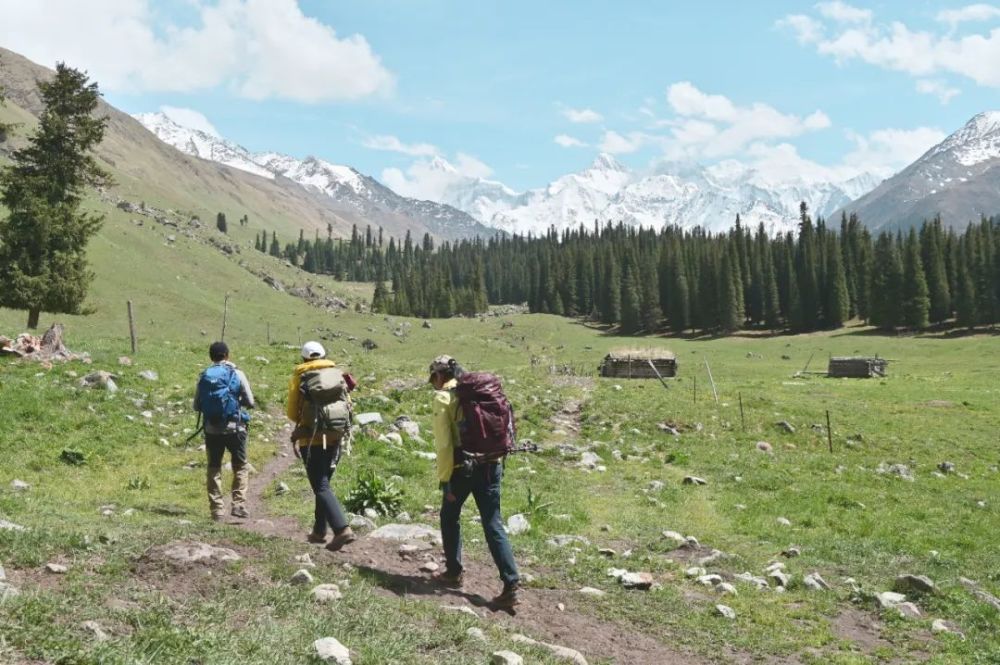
(958, 179)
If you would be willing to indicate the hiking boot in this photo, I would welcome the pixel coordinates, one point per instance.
(217, 517)
(507, 598)
(318, 538)
(446, 578)
(239, 512)
(345, 537)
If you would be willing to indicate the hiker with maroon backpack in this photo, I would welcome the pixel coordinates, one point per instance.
(474, 432)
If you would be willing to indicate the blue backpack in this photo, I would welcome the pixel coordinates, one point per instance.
(218, 395)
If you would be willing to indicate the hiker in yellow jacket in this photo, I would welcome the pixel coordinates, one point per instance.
(318, 454)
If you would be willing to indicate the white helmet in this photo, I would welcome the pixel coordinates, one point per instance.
(313, 351)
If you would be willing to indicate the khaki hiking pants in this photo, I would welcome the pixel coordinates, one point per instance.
(215, 446)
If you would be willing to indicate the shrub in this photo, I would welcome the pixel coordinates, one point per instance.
(73, 457)
(376, 493)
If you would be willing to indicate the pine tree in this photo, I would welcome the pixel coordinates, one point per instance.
(916, 303)
(43, 265)
(772, 305)
(650, 314)
(965, 299)
(838, 299)
(4, 127)
(380, 299)
(730, 307)
(613, 288)
(939, 291)
(220, 222)
(886, 288)
(631, 320)
(275, 250)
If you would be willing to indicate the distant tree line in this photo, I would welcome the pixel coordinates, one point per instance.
(641, 280)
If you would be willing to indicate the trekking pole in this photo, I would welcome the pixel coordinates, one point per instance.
(225, 316)
(743, 420)
(131, 329)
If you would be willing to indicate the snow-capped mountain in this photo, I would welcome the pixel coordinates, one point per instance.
(346, 188)
(682, 194)
(958, 179)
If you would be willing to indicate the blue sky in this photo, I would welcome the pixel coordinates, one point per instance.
(828, 89)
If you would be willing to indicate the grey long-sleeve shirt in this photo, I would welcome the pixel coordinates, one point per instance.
(245, 398)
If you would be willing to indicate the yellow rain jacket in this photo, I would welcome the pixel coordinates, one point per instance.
(445, 413)
(295, 402)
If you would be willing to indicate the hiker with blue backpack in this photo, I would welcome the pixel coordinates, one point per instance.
(320, 407)
(473, 432)
(222, 394)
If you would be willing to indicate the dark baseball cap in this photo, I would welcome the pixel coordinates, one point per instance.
(218, 351)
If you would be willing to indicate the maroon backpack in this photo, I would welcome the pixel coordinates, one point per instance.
(486, 429)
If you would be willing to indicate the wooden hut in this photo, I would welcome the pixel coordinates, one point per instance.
(857, 368)
(639, 364)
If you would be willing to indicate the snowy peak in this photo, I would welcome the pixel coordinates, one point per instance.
(606, 162)
(977, 141)
(198, 143)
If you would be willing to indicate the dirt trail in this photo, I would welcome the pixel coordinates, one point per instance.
(537, 615)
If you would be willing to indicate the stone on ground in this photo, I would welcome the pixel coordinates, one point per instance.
(560, 652)
(942, 626)
(675, 538)
(505, 657)
(95, 630)
(890, 599)
(815, 582)
(429, 567)
(908, 610)
(725, 611)
(641, 581)
(914, 584)
(19, 485)
(591, 591)
(149, 375)
(784, 521)
(282, 488)
(56, 568)
(476, 634)
(518, 524)
(326, 593)
(694, 480)
(764, 447)
(301, 576)
(404, 532)
(464, 609)
(197, 552)
(369, 418)
(330, 650)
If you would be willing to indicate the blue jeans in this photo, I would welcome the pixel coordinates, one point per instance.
(318, 468)
(484, 486)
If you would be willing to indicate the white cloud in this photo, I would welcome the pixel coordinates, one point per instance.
(843, 12)
(472, 167)
(258, 49)
(713, 126)
(568, 141)
(938, 88)
(919, 53)
(888, 150)
(969, 13)
(389, 143)
(619, 144)
(807, 30)
(582, 116)
(191, 119)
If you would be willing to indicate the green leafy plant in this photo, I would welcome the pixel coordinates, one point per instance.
(376, 493)
(535, 505)
(138, 483)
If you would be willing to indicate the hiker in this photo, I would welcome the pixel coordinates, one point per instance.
(320, 407)
(461, 473)
(221, 392)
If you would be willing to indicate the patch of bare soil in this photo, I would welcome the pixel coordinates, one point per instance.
(859, 628)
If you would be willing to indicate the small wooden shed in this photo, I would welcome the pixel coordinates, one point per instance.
(639, 364)
(857, 368)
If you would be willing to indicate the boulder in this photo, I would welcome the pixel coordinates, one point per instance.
(890, 599)
(197, 552)
(518, 524)
(407, 426)
(56, 568)
(694, 480)
(95, 630)
(786, 426)
(914, 584)
(505, 657)
(942, 626)
(330, 650)
(369, 418)
(815, 582)
(19, 485)
(559, 652)
(908, 610)
(764, 447)
(641, 581)
(149, 375)
(301, 576)
(674, 538)
(591, 591)
(725, 612)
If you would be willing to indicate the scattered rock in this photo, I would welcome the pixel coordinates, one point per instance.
(305, 560)
(589, 460)
(786, 426)
(124, 361)
(326, 593)
(301, 576)
(464, 609)
(19, 485)
(946, 467)
(429, 567)
(371, 513)
(95, 630)
(815, 582)
(725, 611)
(405, 532)
(149, 375)
(330, 650)
(56, 568)
(694, 571)
(591, 591)
(780, 578)
(890, 599)
(408, 427)
(726, 589)
(607, 552)
(791, 552)
(942, 626)
(709, 580)
(641, 581)
(749, 578)
(900, 470)
(656, 485)
(518, 524)
(393, 438)
(908, 610)
(282, 488)
(764, 447)
(914, 584)
(694, 480)
(677, 539)
(505, 657)
(784, 521)
(361, 522)
(710, 558)
(426, 325)
(423, 454)
(100, 380)
(476, 634)
(560, 652)
(562, 540)
(8, 591)
(370, 418)
(197, 552)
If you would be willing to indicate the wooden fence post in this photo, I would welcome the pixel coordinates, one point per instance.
(131, 328)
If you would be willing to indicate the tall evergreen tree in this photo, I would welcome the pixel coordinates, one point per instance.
(43, 264)
(916, 303)
(939, 291)
(886, 288)
(838, 299)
